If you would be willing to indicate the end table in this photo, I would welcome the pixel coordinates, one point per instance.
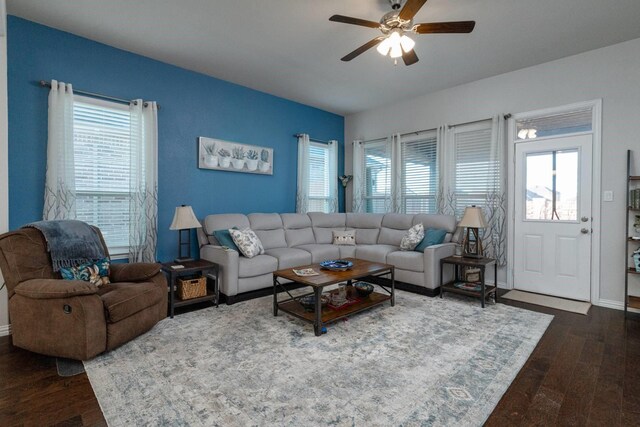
(480, 263)
(206, 268)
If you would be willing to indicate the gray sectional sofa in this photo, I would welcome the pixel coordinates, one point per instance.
(292, 240)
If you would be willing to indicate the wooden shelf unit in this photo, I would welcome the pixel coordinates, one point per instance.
(633, 182)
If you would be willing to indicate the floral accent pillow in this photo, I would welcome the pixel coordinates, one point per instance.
(247, 242)
(344, 237)
(412, 237)
(97, 274)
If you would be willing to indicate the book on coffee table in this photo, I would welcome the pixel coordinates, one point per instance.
(306, 272)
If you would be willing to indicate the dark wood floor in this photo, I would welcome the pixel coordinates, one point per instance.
(584, 371)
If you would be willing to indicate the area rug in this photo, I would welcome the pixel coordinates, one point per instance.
(426, 361)
(564, 304)
(69, 367)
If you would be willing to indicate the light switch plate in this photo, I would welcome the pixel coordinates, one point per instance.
(608, 196)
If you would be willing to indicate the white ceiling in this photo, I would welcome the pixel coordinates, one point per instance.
(289, 48)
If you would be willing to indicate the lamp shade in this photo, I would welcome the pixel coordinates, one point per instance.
(184, 218)
(473, 218)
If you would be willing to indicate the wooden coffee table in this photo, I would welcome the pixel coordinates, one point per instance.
(321, 316)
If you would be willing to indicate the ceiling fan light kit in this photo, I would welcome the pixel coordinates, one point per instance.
(393, 25)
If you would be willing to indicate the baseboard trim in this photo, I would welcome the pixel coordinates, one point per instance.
(616, 305)
(5, 330)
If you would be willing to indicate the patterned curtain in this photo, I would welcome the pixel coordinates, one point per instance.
(494, 237)
(396, 174)
(143, 202)
(358, 202)
(60, 188)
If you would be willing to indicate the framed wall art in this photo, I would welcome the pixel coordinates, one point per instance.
(235, 157)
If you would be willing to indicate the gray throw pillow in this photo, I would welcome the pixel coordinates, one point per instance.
(412, 237)
(247, 242)
(344, 237)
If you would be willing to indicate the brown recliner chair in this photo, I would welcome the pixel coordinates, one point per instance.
(73, 318)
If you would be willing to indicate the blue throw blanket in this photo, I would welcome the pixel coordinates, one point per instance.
(71, 243)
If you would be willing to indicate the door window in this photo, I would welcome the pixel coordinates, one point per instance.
(552, 186)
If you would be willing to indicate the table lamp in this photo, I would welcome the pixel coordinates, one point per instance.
(184, 220)
(473, 220)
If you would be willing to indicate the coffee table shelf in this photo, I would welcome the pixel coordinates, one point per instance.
(330, 315)
(361, 270)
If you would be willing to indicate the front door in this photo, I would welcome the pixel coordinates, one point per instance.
(553, 216)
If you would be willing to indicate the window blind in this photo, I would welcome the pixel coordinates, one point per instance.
(419, 174)
(579, 120)
(102, 169)
(377, 176)
(475, 172)
(319, 185)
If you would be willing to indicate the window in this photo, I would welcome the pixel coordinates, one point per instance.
(566, 122)
(475, 171)
(102, 147)
(419, 179)
(319, 175)
(377, 176)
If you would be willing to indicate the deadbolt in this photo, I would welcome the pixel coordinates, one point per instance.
(584, 219)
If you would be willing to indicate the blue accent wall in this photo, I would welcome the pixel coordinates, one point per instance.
(191, 105)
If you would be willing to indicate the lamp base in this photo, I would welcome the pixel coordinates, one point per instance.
(181, 260)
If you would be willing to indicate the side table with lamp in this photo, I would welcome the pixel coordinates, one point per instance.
(473, 220)
(189, 277)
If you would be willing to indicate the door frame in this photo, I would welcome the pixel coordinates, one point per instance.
(596, 206)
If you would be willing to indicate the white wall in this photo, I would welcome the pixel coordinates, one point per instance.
(4, 159)
(611, 73)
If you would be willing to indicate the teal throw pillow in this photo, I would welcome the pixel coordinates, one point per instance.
(432, 236)
(97, 274)
(224, 238)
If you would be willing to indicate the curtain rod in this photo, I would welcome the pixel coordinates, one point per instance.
(44, 83)
(298, 135)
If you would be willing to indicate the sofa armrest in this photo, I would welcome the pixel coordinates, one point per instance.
(54, 288)
(227, 260)
(134, 272)
(432, 256)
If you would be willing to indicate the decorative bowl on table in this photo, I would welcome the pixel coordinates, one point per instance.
(336, 265)
(309, 302)
(363, 289)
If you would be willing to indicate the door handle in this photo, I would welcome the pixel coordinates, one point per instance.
(584, 231)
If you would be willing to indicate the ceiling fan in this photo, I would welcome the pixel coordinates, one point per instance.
(393, 25)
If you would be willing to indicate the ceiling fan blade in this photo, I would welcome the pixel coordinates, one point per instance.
(445, 27)
(365, 47)
(410, 9)
(354, 21)
(410, 57)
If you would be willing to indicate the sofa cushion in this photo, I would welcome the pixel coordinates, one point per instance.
(406, 260)
(265, 221)
(223, 222)
(289, 257)
(124, 299)
(271, 238)
(367, 227)
(256, 266)
(444, 222)
(321, 252)
(325, 224)
(432, 237)
(247, 242)
(412, 237)
(347, 251)
(223, 238)
(393, 228)
(375, 253)
(297, 229)
(344, 237)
